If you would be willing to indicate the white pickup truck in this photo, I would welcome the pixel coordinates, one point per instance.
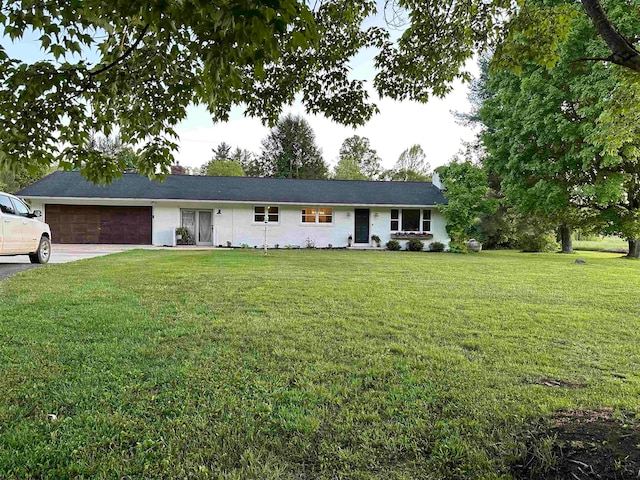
(21, 233)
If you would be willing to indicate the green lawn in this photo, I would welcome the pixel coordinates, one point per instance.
(306, 364)
(603, 243)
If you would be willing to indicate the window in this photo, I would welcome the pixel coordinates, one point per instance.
(273, 214)
(426, 220)
(6, 206)
(20, 208)
(395, 216)
(258, 214)
(410, 220)
(325, 215)
(309, 215)
(317, 215)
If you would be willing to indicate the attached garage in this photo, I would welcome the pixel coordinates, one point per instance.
(99, 224)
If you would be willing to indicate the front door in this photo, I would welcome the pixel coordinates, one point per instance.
(200, 226)
(362, 225)
(205, 227)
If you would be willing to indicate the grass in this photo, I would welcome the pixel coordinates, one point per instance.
(598, 244)
(306, 364)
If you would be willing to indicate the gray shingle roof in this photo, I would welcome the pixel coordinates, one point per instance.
(239, 189)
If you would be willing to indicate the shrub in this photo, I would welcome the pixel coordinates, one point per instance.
(415, 245)
(228, 244)
(536, 242)
(309, 243)
(393, 245)
(457, 247)
(436, 247)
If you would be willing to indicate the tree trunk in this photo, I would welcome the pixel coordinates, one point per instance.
(634, 249)
(565, 238)
(622, 50)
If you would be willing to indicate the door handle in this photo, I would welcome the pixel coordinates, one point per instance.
(6, 220)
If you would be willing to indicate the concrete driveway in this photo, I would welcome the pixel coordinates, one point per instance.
(61, 254)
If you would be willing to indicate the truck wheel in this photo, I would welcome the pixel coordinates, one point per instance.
(43, 253)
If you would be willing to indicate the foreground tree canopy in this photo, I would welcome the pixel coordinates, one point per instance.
(565, 141)
(136, 66)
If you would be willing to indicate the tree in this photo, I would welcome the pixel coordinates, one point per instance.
(177, 169)
(444, 35)
(140, 64)
(412, 166)
(290, 150)
(222, 153)
(13, 180)
(247, 161)
(113, 152)
(565, 141)
(224, 168)
(223, 163)
(468, 195)
(357, 151)
(347, 168)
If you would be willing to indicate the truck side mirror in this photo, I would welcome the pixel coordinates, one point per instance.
(37, 213)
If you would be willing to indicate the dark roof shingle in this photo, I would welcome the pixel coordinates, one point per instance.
(240, 189)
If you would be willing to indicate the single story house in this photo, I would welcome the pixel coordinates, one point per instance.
(237, 210)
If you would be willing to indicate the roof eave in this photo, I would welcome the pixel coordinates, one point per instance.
(213, 200)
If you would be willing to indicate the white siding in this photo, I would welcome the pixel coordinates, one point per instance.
(234, 223)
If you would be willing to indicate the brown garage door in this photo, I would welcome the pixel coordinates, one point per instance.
(99, 224)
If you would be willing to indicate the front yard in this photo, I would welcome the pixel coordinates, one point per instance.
(309, 364)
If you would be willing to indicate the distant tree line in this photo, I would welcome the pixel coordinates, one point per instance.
(290, 151)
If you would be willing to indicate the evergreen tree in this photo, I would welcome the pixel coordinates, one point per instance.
(290, 150)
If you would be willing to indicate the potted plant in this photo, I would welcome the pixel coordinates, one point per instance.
(349, 240)
(376, 239)
(183, 236)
